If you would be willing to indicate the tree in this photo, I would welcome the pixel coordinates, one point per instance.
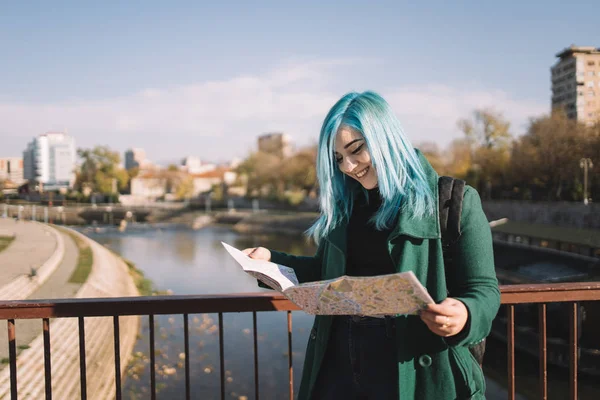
(184, 187)
(299, 171)
(489, 139)
(263, 172)
(431, 151)
(545, 161)
(488, 128)
(458, 159)
(99, 169)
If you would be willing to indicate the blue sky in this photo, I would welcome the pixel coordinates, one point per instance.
(204, 79)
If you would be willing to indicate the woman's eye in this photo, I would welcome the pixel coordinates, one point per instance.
(358, 149)
(338, 160)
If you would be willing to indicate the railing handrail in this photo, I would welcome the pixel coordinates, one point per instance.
(550, 293)
(247, 302)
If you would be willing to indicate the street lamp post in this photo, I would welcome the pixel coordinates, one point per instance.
(586, 164)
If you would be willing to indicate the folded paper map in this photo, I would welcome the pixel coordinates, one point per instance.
(392, 294)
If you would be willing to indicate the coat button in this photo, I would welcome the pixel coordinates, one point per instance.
(313, 334)
(425, 361)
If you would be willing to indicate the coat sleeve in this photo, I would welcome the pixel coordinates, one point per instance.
(307, 268)
(473, 279)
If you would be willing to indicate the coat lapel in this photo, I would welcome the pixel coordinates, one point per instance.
(336, 265)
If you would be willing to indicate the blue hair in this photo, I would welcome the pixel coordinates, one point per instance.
(401, 178)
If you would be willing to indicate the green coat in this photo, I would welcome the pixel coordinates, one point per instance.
(429, 366)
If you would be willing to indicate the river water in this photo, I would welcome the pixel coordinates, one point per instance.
(194, 262)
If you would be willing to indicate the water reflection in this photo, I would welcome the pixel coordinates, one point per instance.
(194, 262)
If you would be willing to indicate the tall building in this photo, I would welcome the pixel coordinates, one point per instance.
(11, 169)
(135, 158)
(277, 143)
(193, 165)
(576, 83)
(50, 159)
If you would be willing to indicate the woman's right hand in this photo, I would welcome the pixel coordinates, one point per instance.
(258, 253)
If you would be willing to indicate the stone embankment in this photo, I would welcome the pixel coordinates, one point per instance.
(109, 278)
(267, 223)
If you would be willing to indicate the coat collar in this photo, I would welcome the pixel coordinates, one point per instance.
(427, 227)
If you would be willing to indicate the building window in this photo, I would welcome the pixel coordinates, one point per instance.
(590, 84)
(591, 93)
(591, 63)
(590, 73)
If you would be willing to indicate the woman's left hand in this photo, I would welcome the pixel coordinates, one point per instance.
(447, 318)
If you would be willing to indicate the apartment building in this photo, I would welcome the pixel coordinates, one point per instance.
(576, 83)
(50, 159)
(135, 158)
(275, 143)
(11, 169)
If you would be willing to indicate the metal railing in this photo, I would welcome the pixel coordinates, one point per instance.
(512, 295)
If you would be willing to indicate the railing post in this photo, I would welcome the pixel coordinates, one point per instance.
(117, 349)
(255, 355)
(543, 352)
(221, 355)
(186, 340)
(82, 364)
(510, 340)
(12, 355)
(47, 358)
(152, 358)
(291, 368)
(573, 353)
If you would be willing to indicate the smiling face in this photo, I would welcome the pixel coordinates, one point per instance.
(353, 158)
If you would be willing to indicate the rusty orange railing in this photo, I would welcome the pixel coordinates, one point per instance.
(512, 295)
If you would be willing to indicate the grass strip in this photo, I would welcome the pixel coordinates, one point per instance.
(143, 284)
(5, 241)
(85, 260)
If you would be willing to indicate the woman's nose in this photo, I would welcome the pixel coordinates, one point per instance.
(348, 164)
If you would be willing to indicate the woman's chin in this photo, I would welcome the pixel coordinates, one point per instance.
(369, 184)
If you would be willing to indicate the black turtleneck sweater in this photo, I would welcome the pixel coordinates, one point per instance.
(366, 249)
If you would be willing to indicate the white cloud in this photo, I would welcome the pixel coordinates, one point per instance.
(431, 112)
(221, 119)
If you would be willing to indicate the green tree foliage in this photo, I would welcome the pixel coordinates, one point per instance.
(268, 175)
(184, 187)
(263, 172)
(299, 171)
(99, 168)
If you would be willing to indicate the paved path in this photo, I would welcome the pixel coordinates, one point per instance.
(34, 244)
(109, 278)
(55, 287)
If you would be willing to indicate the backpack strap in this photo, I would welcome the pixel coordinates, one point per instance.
(451, 192)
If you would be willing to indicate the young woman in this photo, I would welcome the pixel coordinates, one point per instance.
(379, 215)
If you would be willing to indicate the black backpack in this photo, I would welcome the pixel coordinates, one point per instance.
(451, 193)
